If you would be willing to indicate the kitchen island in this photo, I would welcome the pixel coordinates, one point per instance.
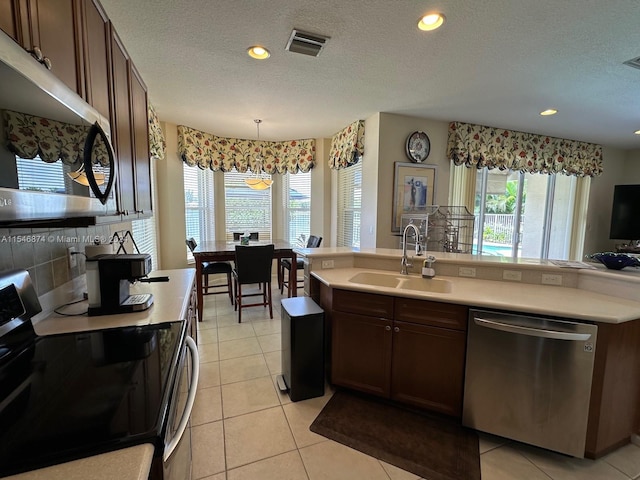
(364, 296)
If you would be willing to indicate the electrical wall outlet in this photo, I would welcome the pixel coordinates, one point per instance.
(466, 272)
(327, 263)
(71, 258)
(551, 279)
(513, 275)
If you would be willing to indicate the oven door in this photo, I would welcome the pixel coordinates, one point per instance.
(177, 450)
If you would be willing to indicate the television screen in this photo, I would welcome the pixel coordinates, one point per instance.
(625, 215)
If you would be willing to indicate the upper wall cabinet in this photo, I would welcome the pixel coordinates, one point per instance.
(51, 31)
(9, 22)
(96, 56)
(130, 126)
(140, 124)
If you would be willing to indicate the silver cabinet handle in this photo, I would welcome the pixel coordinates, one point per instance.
(387, 328)
(396, 329)
(195, 374)
(532, 332)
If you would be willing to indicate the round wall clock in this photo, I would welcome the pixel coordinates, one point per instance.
(418, 146)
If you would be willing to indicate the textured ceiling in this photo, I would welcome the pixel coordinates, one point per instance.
(494, 62)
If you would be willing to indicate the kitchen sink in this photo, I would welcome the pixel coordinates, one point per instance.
(376, 279)
(394, 280)
(437, 285)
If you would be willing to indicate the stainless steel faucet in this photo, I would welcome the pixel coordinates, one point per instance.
(405, 262)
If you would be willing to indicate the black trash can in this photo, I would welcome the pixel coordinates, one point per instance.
(302, 348)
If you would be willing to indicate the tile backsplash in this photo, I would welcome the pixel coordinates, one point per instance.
(43, 251)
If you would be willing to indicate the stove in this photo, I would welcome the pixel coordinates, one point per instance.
(69, 396)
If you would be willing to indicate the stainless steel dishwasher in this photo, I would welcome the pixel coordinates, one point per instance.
(529, 379)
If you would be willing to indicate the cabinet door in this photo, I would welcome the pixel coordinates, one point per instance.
(141, 161)
(96, 56)
(9, 18)
(121, 125)
(361, 352)
(56, 29)
(428, 367)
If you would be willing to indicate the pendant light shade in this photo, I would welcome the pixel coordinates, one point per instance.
(259, 181)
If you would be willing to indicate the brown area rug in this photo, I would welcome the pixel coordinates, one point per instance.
(432, 447)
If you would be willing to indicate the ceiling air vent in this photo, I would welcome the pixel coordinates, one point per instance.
(634, 62)
(306, 43)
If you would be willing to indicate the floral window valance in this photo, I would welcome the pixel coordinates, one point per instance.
(347, 146)
(479, 146)
(157, 143)
(218, 153)
(29, 136)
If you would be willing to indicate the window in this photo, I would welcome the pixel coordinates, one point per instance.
(246, 210)
(198, 205)
(144, 231)
(523, 214)
(296, 189)
(349, 205)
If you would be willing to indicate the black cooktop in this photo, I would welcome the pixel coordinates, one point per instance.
(64, 397)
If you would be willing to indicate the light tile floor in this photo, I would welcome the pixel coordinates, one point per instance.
(245, 429)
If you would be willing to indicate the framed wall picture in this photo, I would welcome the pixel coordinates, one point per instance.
(414, 188)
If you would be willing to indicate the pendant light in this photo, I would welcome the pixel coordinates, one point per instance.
(259, 181)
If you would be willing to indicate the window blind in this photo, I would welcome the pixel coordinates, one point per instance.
(349, 205)
(246, 210)
(35, 174)
(144, 231)
(198, 206)
(296, 196)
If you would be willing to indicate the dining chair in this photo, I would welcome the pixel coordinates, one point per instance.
(213, 268)
(253, 265)
(285, 264)
(252, 236)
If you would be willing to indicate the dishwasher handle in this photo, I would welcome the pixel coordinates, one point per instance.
(184, 420)
(530, 331)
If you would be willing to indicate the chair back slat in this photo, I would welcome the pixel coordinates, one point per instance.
(253, 263)
(314, 242)
(191, 243)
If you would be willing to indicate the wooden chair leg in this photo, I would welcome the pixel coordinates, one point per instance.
(239, 301)
(230, 287)
(270, 304)
(206, 284)
(280, 274)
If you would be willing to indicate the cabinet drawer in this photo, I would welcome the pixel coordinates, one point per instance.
(436, 314)
(380, 306)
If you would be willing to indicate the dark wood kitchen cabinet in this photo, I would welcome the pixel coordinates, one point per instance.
(96, 57)
(409, 350)
(53, 27)
(130, 126)
(140, 127)
(9, 18)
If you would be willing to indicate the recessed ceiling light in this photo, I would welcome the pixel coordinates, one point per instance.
(637, 132)
(431, 21)
(258, 52)
(549, 111)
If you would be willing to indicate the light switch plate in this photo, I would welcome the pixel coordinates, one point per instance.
(513, 275)
(551, 279)
(466, 272)
(327, 263)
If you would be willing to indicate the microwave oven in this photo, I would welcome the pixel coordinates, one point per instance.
(56, 160)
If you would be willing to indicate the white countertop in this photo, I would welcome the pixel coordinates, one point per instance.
(131, 463)
(170, 302)
(520, 297)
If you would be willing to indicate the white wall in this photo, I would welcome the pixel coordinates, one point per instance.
(393, 132)
(170, 209)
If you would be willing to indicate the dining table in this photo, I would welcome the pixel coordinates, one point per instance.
(222, 251)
